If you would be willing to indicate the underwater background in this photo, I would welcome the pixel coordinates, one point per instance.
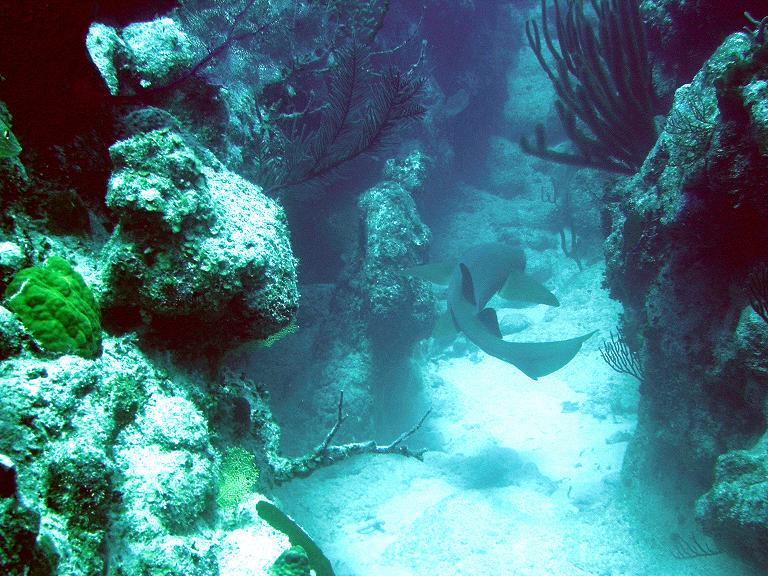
(399, 287)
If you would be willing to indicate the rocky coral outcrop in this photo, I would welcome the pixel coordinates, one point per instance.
(169, 62)
(199, 255)
(685, 233)
(378, 314)
(85, 411)
(400, 309)
(168, 484)
(358, 335)
(145, 54)
(109, 462)
(735, 510)
(675, 29)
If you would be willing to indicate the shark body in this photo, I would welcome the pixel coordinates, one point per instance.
(488, 269)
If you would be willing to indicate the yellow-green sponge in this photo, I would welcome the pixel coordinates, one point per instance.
(239, 475)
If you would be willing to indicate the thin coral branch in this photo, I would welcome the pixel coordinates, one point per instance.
(340, 417)
(683, 549)
(619, 356)
(395, 448)
(327, 454)
(266, 433)
(757, 290)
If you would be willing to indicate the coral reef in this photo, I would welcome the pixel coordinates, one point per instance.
(358, 334)
(112, 453)
(68, 462)
(685, 234)
(401, 310)
(133, 257)
(192, 240)
(734, 510)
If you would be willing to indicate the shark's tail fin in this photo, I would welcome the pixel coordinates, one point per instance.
(536, 359)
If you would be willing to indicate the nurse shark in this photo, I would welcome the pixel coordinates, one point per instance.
(483, 271)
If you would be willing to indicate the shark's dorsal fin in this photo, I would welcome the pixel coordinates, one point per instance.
(489, 319)
(467, 286)
(520, 287)
(490, 266)
(435, 272)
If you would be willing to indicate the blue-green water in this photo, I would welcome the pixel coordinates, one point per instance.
(467, 288)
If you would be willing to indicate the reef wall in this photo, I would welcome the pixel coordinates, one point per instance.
(685, 238)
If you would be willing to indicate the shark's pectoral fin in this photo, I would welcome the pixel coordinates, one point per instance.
(536, 359)
(445, 330)
(520, 287)
(437, 273)
(488, 317)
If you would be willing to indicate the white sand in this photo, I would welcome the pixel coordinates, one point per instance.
(522, 484)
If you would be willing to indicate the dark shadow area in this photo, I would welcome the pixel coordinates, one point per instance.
(495, 467)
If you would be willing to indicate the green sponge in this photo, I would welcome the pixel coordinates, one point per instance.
(57, 308)
(292, 562)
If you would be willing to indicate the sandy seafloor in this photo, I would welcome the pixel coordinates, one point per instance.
(525, 482)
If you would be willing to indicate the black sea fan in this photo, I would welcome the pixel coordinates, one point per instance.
(364, 111)
(602, 75)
